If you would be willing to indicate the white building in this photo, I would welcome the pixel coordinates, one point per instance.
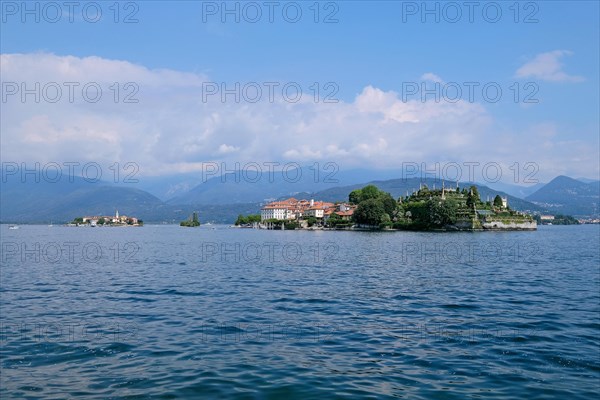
(291, 209)
(316, 212)
(274, 212)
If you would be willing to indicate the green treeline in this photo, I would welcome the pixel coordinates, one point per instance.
(247, 220)
(427, 209)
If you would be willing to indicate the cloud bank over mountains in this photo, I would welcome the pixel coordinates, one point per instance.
(164, 121)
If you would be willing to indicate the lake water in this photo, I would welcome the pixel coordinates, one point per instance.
(217, 312)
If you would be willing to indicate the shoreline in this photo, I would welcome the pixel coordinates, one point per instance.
(361, 229)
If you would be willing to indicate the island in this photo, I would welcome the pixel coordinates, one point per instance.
(115, 220)
(191, 222)
(456, 209)
(558, 219)
(369, 208)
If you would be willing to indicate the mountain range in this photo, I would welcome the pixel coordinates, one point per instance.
(220, 199)
(566, 195)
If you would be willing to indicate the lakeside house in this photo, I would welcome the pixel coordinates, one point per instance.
(294, 210)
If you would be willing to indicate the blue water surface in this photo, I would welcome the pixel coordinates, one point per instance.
(217, 312)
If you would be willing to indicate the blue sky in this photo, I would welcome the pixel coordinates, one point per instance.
(379, 45)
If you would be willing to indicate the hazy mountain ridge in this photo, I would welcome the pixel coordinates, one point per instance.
(400, 188)
(244, 187)
(515, 190)
(564, 195)
(63, 201)
(218, 201)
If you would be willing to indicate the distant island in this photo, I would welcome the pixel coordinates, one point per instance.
(557, 219)
(369, 208)
(192, 221)
(116, 220)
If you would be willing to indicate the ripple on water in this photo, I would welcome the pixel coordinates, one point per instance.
(369, 325)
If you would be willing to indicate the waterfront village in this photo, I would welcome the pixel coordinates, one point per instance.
(306, 213)
(114, 220)
(370, 208)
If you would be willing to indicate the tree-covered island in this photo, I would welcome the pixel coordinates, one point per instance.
(372, 209)
(442, 209)
(191, 222)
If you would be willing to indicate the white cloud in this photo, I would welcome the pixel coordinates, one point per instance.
(225, 149)
(547, 67)
(171, 129)
(431, 77)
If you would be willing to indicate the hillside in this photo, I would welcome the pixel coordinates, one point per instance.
(564, 195)
(248, 187)
(399, 187)
(62, 201)
(42, 202)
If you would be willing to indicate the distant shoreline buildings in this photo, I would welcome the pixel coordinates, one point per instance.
(107, 220)
(370, 208)
(295, 210)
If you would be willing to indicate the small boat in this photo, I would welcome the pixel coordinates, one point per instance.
(13, 227)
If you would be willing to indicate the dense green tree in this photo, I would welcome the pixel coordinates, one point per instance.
(475, 192)
(290, 225)
(441, 213)
(355, 196)
(388, 202)
(386, 221)
(399, 213)
(369, 212)
(333, 220)
(470, 202)
(191, 222)
(419, 214)
(497, 201)
(249, 219)
(370, 192)
(473, 197)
